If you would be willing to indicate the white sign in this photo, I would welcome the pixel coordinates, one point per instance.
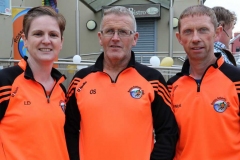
(5, 7)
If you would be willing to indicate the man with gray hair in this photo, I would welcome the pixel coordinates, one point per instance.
(226, 19)
(117, 103)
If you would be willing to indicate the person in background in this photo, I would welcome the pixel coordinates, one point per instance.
(226, 20)
(205, 95)
(32, 96)
(117, 103)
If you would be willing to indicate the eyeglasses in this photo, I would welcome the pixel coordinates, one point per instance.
(223, 25)
(225, 32)
(120, 32)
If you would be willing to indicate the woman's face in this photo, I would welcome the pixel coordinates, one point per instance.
(44, 40)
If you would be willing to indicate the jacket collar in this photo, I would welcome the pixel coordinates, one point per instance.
(217, 64)
(28, 74)
(98, 66)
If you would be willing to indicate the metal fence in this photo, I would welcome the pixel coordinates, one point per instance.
(69, 68)
(141, 57)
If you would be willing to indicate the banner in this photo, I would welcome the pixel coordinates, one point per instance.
(18, 45)
(5, 7)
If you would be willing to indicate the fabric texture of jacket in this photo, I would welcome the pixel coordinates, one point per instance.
(207, 112)
(116, 119)
(31, 123)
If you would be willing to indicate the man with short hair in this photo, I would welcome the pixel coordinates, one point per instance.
(226, 19)
(206, 93)
(117, 103)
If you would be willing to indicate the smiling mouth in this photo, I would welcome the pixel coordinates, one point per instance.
(45, 49)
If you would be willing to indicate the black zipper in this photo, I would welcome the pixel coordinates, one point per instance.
(114, 81)
(47, 96)
(198, 87)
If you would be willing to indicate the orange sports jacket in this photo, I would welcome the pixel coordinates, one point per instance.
(31, 124)
(116, 119)
(207, 112)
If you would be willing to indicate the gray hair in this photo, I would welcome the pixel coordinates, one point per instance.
(119, 10)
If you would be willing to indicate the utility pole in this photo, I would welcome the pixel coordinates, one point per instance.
(171, 29)
(77, 28)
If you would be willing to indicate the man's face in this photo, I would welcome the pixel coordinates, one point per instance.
(197, 35)
(226, 34)
(117, 47)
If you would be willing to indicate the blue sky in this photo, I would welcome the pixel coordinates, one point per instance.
(232, 5)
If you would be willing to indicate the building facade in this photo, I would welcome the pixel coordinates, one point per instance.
(78, 39)
(235, 43)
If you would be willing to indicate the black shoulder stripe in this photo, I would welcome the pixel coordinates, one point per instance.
(232, 72)
(72, 87)
(8, 75)
(161, 91)
(5, 92)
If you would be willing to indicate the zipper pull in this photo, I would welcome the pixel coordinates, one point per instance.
(198, 87)
(48, 99)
